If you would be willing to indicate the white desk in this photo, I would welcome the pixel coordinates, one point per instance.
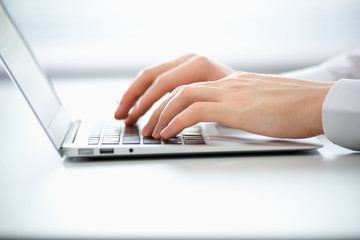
(311, 194)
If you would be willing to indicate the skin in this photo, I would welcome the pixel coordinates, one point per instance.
(203, 90)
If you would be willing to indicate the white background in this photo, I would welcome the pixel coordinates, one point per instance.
(114, 37)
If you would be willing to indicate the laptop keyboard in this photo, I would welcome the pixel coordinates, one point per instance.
(114, 133)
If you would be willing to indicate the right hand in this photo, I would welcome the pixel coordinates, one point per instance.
(154, 82)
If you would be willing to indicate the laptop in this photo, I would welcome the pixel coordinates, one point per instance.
(86, 138)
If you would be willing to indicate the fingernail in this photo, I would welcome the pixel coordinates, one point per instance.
(145, 131)
(156, 133)
(118, 113)
(156, 136)
(165, 133)
(119, 116)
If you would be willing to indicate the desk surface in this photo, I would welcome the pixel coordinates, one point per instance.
(309, 194)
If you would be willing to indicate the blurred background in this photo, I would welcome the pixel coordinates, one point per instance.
(111, 38)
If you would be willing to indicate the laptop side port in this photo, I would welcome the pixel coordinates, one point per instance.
(85, 151)
(106, 150)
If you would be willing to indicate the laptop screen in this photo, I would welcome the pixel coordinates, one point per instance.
(25, 71)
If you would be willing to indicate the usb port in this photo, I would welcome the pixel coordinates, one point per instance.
(106, 150)
(86, 151)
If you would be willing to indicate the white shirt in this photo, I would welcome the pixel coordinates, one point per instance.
(341, 108)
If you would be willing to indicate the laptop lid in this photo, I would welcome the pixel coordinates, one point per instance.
(25, 71)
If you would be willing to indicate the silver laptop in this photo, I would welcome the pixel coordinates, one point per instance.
(113, 138)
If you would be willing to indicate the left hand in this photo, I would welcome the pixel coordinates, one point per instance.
(262, 104)
(154, 82)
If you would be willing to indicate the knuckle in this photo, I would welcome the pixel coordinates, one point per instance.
(190, 55)
(201, 59)
(228, 80)
(160, 79)
(178, 121)
(185, 91)
(236, 74)
(145, 73)
(239, 77)
(246, 75)
(197, 107)
(177, 90)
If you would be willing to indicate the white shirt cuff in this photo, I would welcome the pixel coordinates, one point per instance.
(341, 114)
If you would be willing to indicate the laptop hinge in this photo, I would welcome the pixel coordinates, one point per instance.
(72, 132)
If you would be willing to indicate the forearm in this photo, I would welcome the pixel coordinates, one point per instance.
(341, 108)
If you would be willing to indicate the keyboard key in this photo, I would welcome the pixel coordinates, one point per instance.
(94, 136)
(94, 139)
(131, 140)
(131, 137)
(111, 138)
(150, 140)
(192, 142)
(109, 143)
(130, 130)
(193, 139)
(110, 135)
(175, 140)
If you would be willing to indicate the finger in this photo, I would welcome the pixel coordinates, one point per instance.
(148, 129)
(150, 125)
(144, 103)
(185, 73)
(142, 82)
(197, 112)
(186, 96)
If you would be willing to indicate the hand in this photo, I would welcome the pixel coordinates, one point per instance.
(261, 104)
(152, 83)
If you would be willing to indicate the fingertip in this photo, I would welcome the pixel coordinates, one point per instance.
(145, 131)
(165, 133)
(145, 134)
(130, 121)
(127, 121)
(119, 113)
(156, 136)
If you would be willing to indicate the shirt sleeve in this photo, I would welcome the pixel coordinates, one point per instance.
(341, 114)
(345, 65)
(341, 108)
